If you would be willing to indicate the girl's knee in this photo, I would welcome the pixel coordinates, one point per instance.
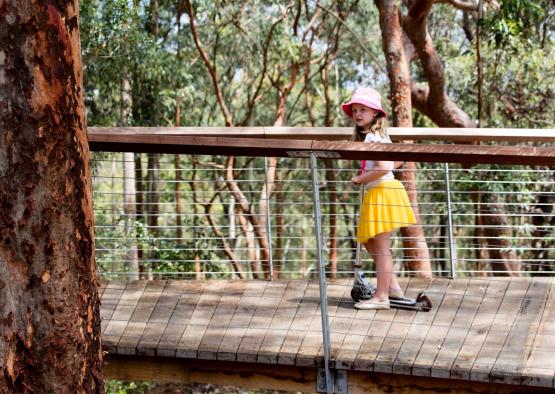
(370, 246)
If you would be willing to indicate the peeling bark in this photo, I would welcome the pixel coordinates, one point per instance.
(49, 316)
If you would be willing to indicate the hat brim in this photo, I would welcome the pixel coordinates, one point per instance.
(347, 107)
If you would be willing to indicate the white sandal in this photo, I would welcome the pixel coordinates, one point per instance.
(372, 304)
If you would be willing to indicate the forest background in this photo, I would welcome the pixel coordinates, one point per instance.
(446, 63)
(291, 64)
(265, 63)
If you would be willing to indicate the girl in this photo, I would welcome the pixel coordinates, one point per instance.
(385, 206)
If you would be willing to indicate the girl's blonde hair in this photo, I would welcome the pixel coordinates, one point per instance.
(379, 125)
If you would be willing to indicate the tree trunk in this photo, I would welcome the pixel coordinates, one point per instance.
(496, 230)
(139, 200)
(263, 209)
(199, 272)
(280, 251)
(130, 204)
(331, 184)
(433, 101)
(130, 212)
(49, 319)
(542, 220)
(178, 213)
(416, 248)
(153, 197)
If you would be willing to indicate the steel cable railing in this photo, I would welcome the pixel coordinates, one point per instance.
(502, 212)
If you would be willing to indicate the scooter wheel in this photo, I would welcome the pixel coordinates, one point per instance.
(356, 294)
(424, 301)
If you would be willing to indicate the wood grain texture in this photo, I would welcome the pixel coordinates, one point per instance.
(491, 330)
(103, 140)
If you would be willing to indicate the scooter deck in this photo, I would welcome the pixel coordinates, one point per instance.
(421, 303)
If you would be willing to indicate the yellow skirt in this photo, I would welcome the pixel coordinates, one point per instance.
(385, 207)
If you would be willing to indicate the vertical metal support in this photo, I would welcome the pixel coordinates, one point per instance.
(452, 246)
(322, 273)
(268, 221)
(358, 264)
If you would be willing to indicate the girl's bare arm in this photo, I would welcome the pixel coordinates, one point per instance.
(376, 173)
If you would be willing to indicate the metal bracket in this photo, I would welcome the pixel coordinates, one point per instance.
(325, 154)
(339, 381)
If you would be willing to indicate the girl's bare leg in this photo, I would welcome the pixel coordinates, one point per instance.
(380, 249)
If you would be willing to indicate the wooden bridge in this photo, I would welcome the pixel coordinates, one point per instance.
(483, 334)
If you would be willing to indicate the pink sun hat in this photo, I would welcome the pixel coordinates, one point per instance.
(365, 96)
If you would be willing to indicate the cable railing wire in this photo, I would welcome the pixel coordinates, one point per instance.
(218, 217)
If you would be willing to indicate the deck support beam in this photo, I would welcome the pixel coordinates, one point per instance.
(287, 377)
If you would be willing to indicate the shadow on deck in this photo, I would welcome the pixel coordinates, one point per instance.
(483, 335)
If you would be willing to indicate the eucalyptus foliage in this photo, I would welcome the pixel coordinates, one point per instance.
(264, 51)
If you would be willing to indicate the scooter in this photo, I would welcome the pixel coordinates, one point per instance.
(364, 290)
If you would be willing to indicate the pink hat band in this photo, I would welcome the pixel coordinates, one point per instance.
(365, 96)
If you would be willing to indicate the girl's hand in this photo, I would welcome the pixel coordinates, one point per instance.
(356, 180)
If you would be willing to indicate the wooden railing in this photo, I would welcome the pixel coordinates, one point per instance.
(338, 133)
(330, 142)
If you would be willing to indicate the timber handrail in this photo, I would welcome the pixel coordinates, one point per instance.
(341, 133)
(106, 140)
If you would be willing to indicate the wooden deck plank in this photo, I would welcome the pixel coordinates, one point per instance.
(290, 347)
(509, 366)
(336, 291)
(210, 342)
(446, 298)
(230, 343)
(269, 349)
(472, 296)
(146, 305)
(250, 344)
(217, 327)
(190, 340)
(123, 304)
(423, 363)
(346, 306)
(450, 348)
(215, 309)
(409, 350)
(390, 348)
(536, 372)
(170, 339)
(112, 334)
(498, 330)
(164, 308)
(348, 350)
(309, 349)
(435, 290)
(129, 339)
(368, 352)
(479, 329)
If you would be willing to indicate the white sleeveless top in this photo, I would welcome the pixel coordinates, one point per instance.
(367, 165)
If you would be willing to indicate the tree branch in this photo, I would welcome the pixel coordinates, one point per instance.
(438, 106)
(211, 68)
(377, 63)
(464, 5)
